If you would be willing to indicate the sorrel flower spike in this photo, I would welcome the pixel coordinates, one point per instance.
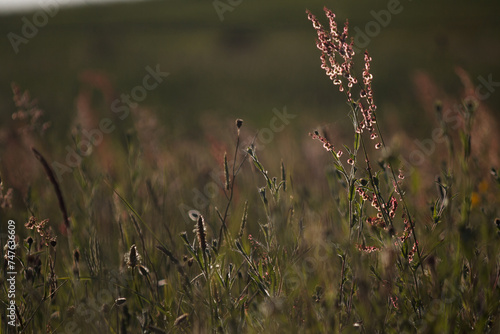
(337, 54)
(337, 51)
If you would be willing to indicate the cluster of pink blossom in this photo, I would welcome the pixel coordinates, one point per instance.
(366, 93)
(394, 301)
(337, 60)
(390, 208)
(375, 203)
(337, 51)
(406, 232)
(376, 222)
(368, 111)
(367, 249)
(372, 198)
(393, 205)
(363, 194)
(412, 252)
(326, 144)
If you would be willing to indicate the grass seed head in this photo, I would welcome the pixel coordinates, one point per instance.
(243, 220)
(132, 257)
(200, 229)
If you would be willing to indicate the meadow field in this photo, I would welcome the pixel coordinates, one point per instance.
(253, 167)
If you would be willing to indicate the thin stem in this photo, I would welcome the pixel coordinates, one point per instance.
(405, 206)
(229, 197)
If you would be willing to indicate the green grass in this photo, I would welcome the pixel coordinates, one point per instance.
(285, 242)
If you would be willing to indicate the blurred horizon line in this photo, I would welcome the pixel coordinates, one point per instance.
(12, 7)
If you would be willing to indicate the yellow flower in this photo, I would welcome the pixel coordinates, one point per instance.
(475, 199)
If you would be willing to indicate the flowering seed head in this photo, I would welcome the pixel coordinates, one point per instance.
(132, 257)
(411, 254)
(200, 229)
(367, 249)
(326, 144)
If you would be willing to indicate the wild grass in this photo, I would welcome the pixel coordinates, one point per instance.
(154, 243)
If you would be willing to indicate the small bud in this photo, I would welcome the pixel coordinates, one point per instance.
(29, 240)
(495, 174)
(239, 123)
(470, 105)
(439, 107)
(120, 301)
(143, 270)
(262, 192)
(184, 237)
(181, 319)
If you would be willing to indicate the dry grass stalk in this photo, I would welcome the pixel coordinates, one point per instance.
(55, 184)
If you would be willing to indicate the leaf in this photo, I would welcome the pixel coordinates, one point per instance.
(341, 169)
(347, 149)
(352, 190)
(357, 138)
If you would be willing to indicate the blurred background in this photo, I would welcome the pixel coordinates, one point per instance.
(240, 59)
(251, 59)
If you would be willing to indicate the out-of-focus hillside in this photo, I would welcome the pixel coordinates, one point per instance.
(261, 55)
